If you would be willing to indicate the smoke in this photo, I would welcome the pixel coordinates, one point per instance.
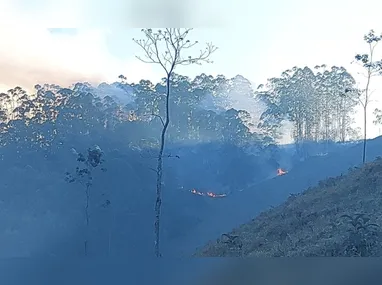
(246, 102)
(238, 94)
(122, 96)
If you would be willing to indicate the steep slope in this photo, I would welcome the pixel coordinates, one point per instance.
(240, 207)
(339, 217)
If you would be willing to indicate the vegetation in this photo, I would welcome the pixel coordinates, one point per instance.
(373, 67)
(378, 117)
(83, 175)
(339, 217)
(39, 132)
(319, 102)
(310, 100)
(218, 146)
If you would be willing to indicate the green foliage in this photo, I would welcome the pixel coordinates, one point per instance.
(232, 241)
(373, 67)
(90, 162)
(362, 235)
(308, 99)
(359, 222)
(366, 60)
(378, 117)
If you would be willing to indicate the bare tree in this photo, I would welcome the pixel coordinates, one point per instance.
(166, 48)
(373, 68)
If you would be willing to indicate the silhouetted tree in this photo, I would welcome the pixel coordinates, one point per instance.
(166, 48)
(84, 176)
(373, 68)
(308, 98)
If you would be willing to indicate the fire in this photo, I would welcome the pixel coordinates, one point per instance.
(193, 191)
(209, 194)
(281, 171)
(214, 195)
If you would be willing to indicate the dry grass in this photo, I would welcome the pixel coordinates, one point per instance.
(312, 223)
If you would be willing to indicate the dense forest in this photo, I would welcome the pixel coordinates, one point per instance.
(203, 111)
(213, 146)
(312, 100)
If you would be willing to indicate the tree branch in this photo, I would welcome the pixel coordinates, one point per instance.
(159, 116)
(153, 169)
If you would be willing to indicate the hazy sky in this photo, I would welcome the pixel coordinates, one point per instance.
(257, 39)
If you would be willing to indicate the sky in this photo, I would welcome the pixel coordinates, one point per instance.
(64, 42)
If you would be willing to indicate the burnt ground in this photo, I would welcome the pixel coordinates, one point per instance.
(341, 216)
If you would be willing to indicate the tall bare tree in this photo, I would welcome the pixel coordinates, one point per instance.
(373, 68)
(167, 48)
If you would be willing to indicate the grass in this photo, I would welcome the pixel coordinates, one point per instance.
(341, 216)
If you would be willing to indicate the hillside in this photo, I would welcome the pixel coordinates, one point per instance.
(341, 216)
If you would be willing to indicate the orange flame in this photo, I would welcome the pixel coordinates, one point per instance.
(280, 172)
(209, 194)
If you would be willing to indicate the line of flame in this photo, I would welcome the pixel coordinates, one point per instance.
(209, 194)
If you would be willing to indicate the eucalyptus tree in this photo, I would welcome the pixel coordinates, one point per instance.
(373, 67)
(168, 48)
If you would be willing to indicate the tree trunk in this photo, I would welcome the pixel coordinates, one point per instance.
(158, 202)
(111, 227)
(86, 242)
(364, 134)
(343, 122)
(365, 110)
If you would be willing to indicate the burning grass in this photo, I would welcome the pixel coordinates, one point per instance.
(340, 217)
(208, 194)
(281, 171)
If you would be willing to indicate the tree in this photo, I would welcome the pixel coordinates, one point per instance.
(373, 68)
(378, 117)
(84, 176)
(334, 110)
(308, 99)
(166, 48)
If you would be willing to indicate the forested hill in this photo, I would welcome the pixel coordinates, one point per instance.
(200, 108)
(222, 137)
(204, 109)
